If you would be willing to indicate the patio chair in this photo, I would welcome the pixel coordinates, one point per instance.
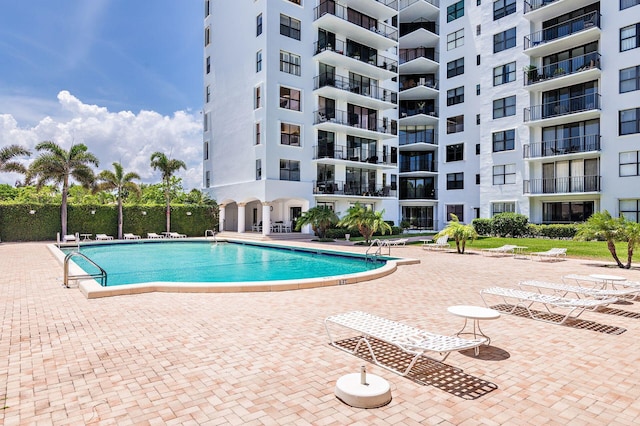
(505, 249)
(409, 339)
(128, 236)
(398, 242)
(70, 238)
(153, 235)
(176, 235)
(439, 244)
(551, 254)
(525, 299)
(563, 290)
(103, 237)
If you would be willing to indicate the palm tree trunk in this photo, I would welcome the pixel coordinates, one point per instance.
(629, 255)
(119, 218)
(612, 248)
(63, 205)
(166, 196)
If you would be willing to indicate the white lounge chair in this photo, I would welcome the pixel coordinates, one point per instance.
(440, 244)
(563, 290)
(103, 237)
(525, 299)
(154, 236)
(70, 238)
(552, 254)
(176, 235)
(128, 236)
(505, 249)
(398, 242)
(409, 339)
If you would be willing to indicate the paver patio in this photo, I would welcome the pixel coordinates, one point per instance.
(264, 358)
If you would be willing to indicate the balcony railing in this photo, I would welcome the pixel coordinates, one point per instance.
(353, 120)
(426, 81)
(355, 86)
(352, 188)
(406, 3)
(349, 15)
(407, 55)
(530, 5)
(409, 27)
(586, 102)
(562, 68)
(563, 29)
(418, 165)
(409, 111)
(360, 155)
(423, 136)
(341, 49)
(577, 144)
(419, 194)
(563, 185)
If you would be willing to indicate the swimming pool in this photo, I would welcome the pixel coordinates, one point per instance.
(203, 261)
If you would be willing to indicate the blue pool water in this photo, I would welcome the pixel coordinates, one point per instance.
(210, 262)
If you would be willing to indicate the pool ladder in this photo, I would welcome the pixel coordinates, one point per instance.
(102, 275)
(378, 245)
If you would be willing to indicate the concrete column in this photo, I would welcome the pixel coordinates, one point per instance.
(241, 218)
(221, 217)
(266, 218)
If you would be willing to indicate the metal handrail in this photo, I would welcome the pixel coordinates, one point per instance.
(102, 275)
(563, 29)
(379, 244)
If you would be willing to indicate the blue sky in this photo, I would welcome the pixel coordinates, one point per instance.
(103, 61)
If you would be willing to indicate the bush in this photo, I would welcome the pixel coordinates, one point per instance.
(557, 231)
(509, 224)
(483, 226)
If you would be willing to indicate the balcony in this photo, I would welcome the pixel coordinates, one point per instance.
(371, 96)
(412, 10)
(420, 193)
(562, 185)
(577, 104)
(418, 34)
(416, 164)
(377, 66)
(542, 42)
(565, 146)
(332, 188)
(357, 155)
(543, 10)
(407, 55)
(530, 5)
(579, 64)
(426, 136)
(357, 125)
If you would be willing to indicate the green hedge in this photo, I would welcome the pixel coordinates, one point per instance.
(18, 224)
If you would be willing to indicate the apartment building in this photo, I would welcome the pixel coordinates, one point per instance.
(422, 108)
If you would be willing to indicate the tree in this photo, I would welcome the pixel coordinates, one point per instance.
(366, 220)
(601, 226)
(459, 232)
(57, 165)
(7, 154)
(320, 218)
(167, 166)
(631, 231)
(121, 183)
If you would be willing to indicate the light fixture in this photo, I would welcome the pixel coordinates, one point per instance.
(144, 213)
(32, 212)
(188, 213)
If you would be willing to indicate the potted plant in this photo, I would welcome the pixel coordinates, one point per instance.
(558, 71)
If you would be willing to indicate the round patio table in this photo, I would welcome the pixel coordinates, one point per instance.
(475, 313)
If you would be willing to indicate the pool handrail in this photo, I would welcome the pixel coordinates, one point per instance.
(102, 275)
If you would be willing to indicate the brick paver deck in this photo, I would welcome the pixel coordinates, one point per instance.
(263, 358)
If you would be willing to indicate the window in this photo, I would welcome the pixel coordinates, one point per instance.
(208, 94)
(504, 174)
(455, 180)
(477, 90)
(624, 4)
(504, 74)
(289, 98)
(629, 37)
(477, 119)
(507, 207)
(477, 149)
(504, 140)
(567, 212)
(205, 150)
(455, 124)
(289, 170)
(207, 36)
(259, 61)
(455, 96)
(259, 169)
(456, 209)
(455, 68)
(257, 97)
(630, 209)
(298, 2)
(289, 134)
(289, 27)
(207, 8)
(257, 133)
(478, 60)
(629, 121)
(455, 39)
(207, 179)
(630, 79)
(478, 2)
(502, 8)
(258, 25)
(629, 163)
(208, 67)
(455, 11)
(455, 152)
(477, 179)
(504, 40)
(478, 30)
(289, 63)
(504, 107)
(205, 123)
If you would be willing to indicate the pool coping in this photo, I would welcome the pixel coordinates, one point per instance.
(92, 290)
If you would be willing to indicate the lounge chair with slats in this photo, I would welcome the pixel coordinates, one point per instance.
(409, 339)
(176, 235)
(103, 237)
(505, 249)
(551, 254)
(442, 243)
(563, 290)
(154, 236)
(130, 236)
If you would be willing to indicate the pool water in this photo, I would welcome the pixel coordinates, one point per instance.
(215, 262)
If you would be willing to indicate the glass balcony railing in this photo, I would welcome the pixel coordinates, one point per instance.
(415, 81)
(406, 3)
(353, 120)
(429, 136)
(422, 193)
(409, 27)
(577, 144)
(355, 86)
(563, 29)
(560, 107)
(407, 55)
(353, 189)
(562, 185)
(360, 155)
(530, 5)
(340, 48)
(356, 18)
(558, 69)
(418, 165)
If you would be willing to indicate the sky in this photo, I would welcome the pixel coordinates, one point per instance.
(124, 77)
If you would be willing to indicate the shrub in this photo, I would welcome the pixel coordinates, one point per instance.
(509, 224)
(482, 226)
(558, 231)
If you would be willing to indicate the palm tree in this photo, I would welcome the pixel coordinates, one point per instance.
(459, 232)
(601, 226)
(57, 165)
(366, 220)
(320, 218)
(7, 154)
(168, 167)
(119, 182)
(632, 235)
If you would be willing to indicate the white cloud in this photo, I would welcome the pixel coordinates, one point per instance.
(121, 136)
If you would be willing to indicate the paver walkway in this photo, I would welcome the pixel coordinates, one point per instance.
(263, 358)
